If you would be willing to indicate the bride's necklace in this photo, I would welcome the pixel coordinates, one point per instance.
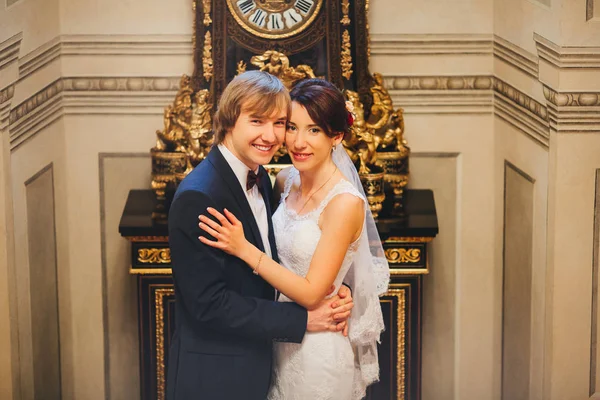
(313, 193)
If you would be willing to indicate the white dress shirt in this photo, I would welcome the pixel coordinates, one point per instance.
(255, 199)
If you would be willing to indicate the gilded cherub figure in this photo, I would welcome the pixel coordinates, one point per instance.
(177, 119)
(393, 139)
(200, 137)
(363, 142)
(382, 106)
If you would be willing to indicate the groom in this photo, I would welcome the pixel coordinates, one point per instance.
(226, 317)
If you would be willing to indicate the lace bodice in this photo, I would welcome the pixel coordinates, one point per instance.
(297, 235)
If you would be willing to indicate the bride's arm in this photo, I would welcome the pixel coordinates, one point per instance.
(342, 222)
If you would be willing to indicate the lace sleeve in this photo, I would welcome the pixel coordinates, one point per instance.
(289, 180)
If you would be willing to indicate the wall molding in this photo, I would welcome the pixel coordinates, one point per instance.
(567, 56)
(468, 94)
(104, 45)
(394, 44)
(89, 95)
(9, 50)
(516, 56)
(6, 96)
(573, 112)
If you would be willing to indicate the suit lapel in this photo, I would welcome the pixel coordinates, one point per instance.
(222, 167)
(266, 194)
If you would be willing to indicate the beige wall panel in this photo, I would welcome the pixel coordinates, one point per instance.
(127, 65)
(576, 32)
(445, 64)
(45, 148)
(119, 173)
(516, 20)
(432, 16)
(595, 356)
(472, 137)
(9, 385)
(516, 148)
(126, 17)
(573, 164)
(87, 136)
(43, 282)
(438, 172)
(37, 19)
(517, 284)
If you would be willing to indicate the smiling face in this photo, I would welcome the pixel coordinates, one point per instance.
(254, 139)
(308, 145)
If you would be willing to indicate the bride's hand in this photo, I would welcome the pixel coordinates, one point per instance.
(229, 233)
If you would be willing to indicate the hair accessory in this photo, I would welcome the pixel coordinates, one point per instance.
(350, 109)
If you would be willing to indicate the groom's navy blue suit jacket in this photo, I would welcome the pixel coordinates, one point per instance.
(226, 318)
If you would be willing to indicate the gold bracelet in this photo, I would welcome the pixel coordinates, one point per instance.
(255, 271)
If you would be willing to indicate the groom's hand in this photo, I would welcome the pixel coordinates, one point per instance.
(331, 315)
(340, 314)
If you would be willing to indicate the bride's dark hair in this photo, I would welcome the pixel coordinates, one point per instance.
(324, 103)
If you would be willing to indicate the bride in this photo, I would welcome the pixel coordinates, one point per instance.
(325, 235)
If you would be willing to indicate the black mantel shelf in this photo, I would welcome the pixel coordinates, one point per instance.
(419, 220)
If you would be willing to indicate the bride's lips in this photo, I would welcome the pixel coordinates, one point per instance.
(301, 156)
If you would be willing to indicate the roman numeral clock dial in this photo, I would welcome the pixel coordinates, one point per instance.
(275, 19)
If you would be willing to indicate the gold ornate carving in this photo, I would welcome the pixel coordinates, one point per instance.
(401, 256)
(345, 10)
(200, 137)
(184, 141)
(206, 4)
(159, 295)
(177, 119)
(257, 17)
(241, 67)
(346, 55)
(382, 106)
(409, 239)
(362, 144)
(207, 60)
(400, 295)
(368, 29)
(278, 64)
(147, 238)
(154, 256)
(150, 271)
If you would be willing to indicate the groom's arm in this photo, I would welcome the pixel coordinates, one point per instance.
(199, 273)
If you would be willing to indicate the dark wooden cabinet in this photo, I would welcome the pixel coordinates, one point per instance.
(405, 241)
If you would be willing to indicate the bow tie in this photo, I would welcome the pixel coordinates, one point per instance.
(254, 179)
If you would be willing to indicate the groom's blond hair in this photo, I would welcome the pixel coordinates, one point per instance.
(257, 92)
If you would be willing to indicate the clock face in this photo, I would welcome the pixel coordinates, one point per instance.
(275, 19)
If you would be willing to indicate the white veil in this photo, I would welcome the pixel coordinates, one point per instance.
(368, 277)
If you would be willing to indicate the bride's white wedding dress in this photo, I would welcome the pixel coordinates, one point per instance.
(322, 367)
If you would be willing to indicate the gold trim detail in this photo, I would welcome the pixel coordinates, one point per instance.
(159, 295)
(368, 28)
(409, 239)
(148, 238)
(409, 271)
(206, 11)
(346, 54)
(399, 256)
(154, 256)
(253, 31)
(207, 61)
(150, 271)
(345, 9)
(400, 295)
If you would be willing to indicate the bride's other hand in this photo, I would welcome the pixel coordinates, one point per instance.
(341, 316)
(229, 232)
